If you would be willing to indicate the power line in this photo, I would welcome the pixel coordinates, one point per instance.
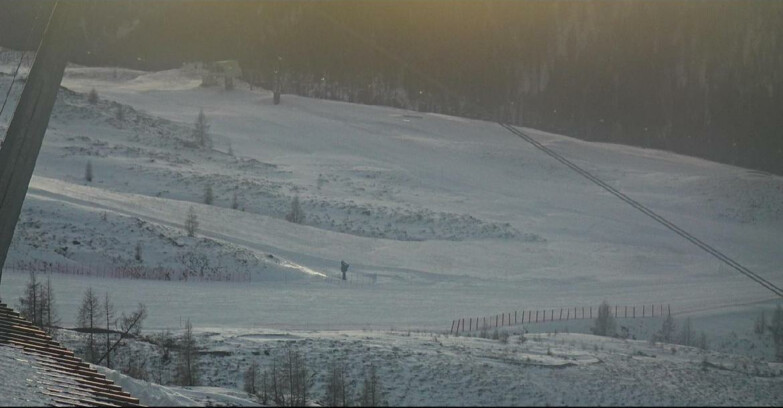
(663, 221)
(668, 224)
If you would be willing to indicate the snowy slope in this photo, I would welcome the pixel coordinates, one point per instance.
(455, 217)
(556, 368)
(419, 199)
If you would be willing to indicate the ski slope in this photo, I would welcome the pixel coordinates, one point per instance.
(456, 217)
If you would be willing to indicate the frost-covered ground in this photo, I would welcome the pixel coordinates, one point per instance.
(454, 217)
(416, 368)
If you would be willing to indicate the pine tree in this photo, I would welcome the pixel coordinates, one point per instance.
(88, 171)
(669, 327)
(191, 222)
(201, 131)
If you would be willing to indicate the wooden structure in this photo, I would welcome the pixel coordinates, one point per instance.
(27, 128)
(61, 377)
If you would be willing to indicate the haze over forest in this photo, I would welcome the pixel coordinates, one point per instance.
(698, 78)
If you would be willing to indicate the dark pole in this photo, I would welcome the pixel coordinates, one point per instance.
(26, 132)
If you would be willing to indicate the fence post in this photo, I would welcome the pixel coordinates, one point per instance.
(452, 327)
(591, 312)
(529, 314)
(642, 310)
(669, 306)
(583, 312)
(615, 311)
(634, 312)
(536, 315)
(552, 316)
(652, 309)
(568, 313)
(470, 324)
(485, 322)
(496, 320)
(561, 314)
(515, 317)
(463, 324)
(503, 319)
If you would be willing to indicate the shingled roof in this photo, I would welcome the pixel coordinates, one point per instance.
(39, 370)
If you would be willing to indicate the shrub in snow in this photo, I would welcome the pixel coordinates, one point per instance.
(92, 97)
(701, 342)
(235, 201)
(668, 329)
(88, 171)
(191, 222)
(296, 215)
(137, 255)
(604, 323)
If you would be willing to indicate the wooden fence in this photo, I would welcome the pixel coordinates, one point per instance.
(132, 272)
(468, 324)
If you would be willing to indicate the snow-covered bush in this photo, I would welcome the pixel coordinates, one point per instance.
(604, 323)
(92, 97)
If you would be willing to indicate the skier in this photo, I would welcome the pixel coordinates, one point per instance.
(344, 268)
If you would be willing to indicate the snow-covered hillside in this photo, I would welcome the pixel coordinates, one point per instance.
(440, 217)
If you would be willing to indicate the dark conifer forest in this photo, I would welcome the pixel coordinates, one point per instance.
(702, 78)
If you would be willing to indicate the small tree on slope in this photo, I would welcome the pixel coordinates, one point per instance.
(201, 131)
(296, 215)
(187, 365)
(191, 222)
(87, 318)
(604, 323)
